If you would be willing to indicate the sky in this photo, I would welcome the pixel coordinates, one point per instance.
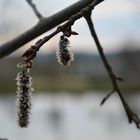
(117, 23)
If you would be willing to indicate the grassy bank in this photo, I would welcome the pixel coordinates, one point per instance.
(66, 83)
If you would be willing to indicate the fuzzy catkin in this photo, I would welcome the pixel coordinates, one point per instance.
(24, 89)
(64, 56)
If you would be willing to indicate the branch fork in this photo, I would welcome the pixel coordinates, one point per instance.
(66, 29)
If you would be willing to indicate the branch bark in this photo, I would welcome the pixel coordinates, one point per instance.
(44, 25)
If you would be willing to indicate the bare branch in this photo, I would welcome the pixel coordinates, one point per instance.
(132, 117)
(44, 25)
(33, 6)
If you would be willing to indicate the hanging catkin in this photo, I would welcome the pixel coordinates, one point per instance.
(64, 56)
(24, 90)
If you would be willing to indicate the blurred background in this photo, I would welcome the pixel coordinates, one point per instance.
(66, 99)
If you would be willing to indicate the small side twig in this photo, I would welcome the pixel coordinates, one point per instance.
(106, 97)
(132, 117)
(33, 6)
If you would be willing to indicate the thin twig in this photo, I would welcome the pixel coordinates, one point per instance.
(33, 6)
(69, 23)
(106, 97)
(132, 117)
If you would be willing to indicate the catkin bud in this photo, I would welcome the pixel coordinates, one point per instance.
(24, 90)
(64, 56)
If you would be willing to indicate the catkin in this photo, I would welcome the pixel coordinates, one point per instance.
(24, 90)
(64, 56)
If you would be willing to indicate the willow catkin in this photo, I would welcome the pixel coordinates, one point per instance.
(64, 56)
(24, 89)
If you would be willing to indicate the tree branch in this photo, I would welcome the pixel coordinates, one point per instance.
(33, 6)
(132, 117)
(44, 25)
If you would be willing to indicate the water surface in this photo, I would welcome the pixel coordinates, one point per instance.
(69, 117)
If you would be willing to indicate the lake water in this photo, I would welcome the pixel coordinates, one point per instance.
(70, 117)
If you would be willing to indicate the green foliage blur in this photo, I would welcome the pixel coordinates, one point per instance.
(86, 73)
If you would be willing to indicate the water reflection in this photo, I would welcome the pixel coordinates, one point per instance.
(69, 117)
